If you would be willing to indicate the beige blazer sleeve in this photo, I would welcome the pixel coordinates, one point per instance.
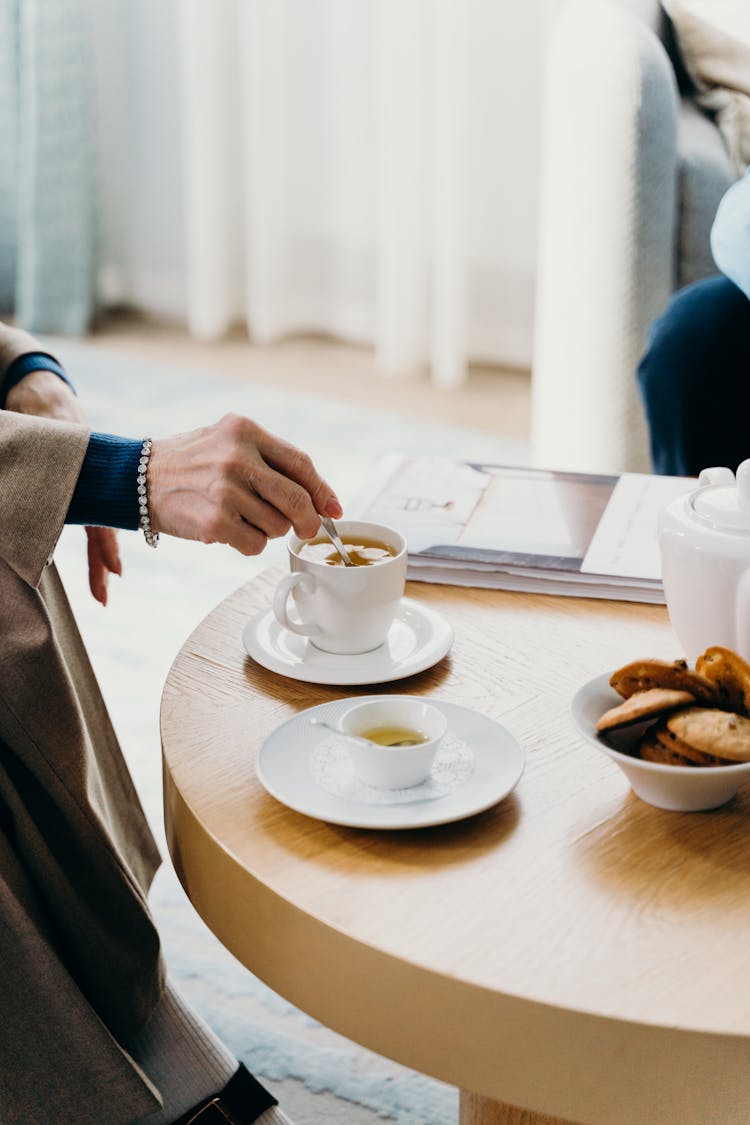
(39, 465)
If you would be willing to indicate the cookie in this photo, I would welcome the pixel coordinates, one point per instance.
(723, 734)
(643, 705)
(644, 675)
(653, 750)
(730, 675)
(692, 756)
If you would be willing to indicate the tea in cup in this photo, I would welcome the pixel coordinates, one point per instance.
(404, 735)
(361, 551)
(344, 609)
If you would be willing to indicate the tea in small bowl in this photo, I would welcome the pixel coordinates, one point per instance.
(390, 734)
(404, 733)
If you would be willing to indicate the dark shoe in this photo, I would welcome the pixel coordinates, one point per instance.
(241, 1102)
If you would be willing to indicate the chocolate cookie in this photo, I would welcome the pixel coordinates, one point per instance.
(653, 750)
(730, 675)
(644, 675)
(678, 746)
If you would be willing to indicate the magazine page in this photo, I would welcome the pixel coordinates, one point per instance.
(477, 512)
(518, 528)
(626, 542)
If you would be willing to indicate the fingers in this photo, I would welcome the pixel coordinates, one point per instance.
(103, 558)
(97, 569)
(291, 501)
(297, 466)
(226, 525)
(246, 539)
(110, 549)
(265, 517)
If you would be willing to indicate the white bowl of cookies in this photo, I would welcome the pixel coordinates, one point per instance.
(680, 735)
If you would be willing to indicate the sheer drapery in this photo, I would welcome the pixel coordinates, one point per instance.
(366, 169)
(47, 190)
(328, 197)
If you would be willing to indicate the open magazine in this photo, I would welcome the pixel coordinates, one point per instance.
(476, 524)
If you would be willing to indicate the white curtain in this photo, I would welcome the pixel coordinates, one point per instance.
(328, 197)
(366, 169)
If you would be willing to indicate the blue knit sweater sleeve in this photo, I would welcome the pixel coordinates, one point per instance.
(107, 488)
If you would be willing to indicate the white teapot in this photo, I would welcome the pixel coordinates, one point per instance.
(704, 537)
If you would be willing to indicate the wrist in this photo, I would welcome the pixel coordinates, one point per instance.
(26, 364)
(43, 392)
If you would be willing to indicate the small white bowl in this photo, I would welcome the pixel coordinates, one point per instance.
(394, 767)
(677, 788)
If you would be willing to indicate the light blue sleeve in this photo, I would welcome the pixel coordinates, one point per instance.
(730, 234)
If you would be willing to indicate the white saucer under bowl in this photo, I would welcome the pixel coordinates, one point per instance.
(309, 770)
(418, 638)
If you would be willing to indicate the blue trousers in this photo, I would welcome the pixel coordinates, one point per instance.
(695, 379)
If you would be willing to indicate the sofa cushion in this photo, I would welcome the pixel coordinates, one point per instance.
(714, 39)
(704, 172)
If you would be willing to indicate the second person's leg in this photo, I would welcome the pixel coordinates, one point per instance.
(695, 379)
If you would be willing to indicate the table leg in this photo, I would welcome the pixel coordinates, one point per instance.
(475, 1110)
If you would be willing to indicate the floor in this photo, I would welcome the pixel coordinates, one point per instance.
(493, 398)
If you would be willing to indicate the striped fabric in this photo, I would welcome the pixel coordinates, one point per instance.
(47, 134)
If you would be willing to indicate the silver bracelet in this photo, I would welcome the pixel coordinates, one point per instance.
(144, 520)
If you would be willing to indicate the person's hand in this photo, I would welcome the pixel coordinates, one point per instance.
(48, 396)
(235, 483)
(104, 559)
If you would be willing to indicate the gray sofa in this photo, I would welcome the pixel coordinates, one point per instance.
(632, 173)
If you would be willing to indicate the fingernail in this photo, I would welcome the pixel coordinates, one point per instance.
(334, 509)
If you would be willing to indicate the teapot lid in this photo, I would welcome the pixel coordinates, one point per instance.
(723, 501)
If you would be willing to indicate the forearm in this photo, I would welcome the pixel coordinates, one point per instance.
(232, 482)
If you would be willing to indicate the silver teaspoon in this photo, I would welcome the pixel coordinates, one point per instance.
(358, 738)
(330, 529)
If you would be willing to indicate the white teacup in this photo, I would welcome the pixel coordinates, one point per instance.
(343, 609)
(392, 766)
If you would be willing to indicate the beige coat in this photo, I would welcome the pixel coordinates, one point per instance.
(80, 967)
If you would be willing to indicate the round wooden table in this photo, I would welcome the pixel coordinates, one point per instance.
(571, 951)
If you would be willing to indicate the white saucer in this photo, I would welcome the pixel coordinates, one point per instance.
(309, 770)
(418, 638)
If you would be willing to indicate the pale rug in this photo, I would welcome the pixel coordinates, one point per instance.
(319, 1076)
